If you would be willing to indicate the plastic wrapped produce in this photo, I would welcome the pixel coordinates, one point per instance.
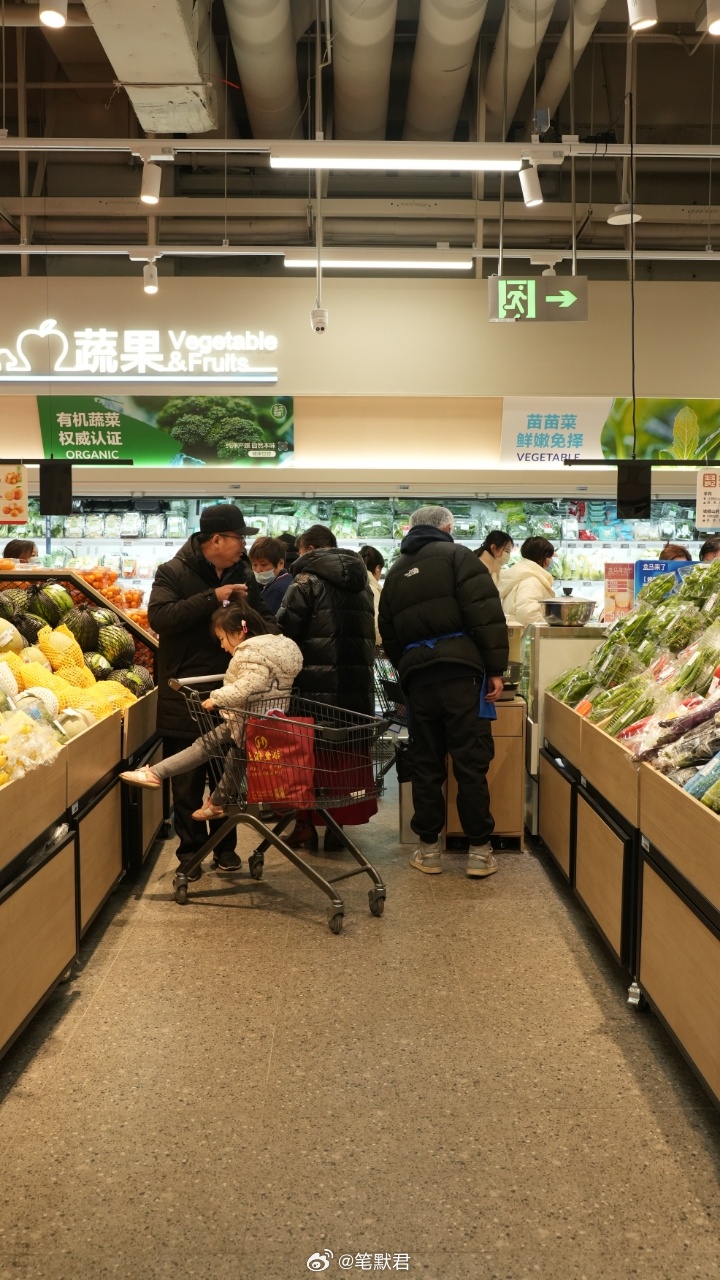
(681, 777)
(685, 625)
(675, 728)
(155, 525)
(629, 703)
(635, 627)
(699, 664)
(701, 582)
(573, 686)
(618, 664)
(695, 747)
(712, 797)
(658, 588)
(702, 779)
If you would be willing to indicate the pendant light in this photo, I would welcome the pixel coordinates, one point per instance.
(530, 184)
(53, 13)
(151, 179)
(150, 278)
(642, 14)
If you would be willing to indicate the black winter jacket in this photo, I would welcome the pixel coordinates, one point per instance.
(435, 588)
(182, 602)
(328, 611)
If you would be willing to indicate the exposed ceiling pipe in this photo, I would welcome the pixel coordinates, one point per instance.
(28, 15)
(557, 76)
(526, 25)
(447, 34)
(264, 42)
(363, 39)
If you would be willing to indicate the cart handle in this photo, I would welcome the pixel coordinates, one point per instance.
(180, 684)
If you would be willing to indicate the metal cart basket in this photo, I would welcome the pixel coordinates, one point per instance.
(390, 700)
(279, 755)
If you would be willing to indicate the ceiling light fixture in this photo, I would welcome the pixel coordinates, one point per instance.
(642, 14)
(452, 157)
(363, 261)
(150, 278)
(151, 179)
(530, 183)
(707, 17)
(623, 216)
(53, 13)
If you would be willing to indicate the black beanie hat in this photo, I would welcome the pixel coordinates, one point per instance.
(223, 518)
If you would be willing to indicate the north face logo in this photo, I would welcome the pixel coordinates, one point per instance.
(410, 572)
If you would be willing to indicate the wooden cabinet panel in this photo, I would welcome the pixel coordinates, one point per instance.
(555, 821)
(612, 770)
(38, 938)
(506, 775)
(139, 723)
(599, 866)
(29, 805)
(91, 755)
(685, 831)
(152, 807)
(100, 853)
(680, 971)
(562, 727)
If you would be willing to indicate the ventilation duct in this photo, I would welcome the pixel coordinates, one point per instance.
(263, 37)
(447, 35)
(528, 22)
(363, 37)
(557, 76)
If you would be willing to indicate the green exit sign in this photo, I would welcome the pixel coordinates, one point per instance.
(531, 298)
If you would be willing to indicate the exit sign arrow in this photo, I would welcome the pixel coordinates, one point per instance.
(564, 297)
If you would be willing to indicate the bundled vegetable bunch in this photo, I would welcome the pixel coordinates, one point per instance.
(615, 663)
(573, 686)
(615, 710)
(658, 588)
(701, 582)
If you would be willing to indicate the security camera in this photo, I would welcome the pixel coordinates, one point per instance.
(319, 319)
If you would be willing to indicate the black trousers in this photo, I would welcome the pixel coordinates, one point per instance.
(444, 721)
(188, 791)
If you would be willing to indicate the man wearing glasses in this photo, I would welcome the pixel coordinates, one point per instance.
(186, 592)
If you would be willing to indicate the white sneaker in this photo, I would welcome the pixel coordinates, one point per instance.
(481, 862)
(427, 858)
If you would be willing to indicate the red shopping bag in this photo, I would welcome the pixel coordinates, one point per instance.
(281, 760)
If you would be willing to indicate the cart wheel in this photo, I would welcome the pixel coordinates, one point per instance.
(376, 899)
(181, 894)
(256, 862)
(336, 922)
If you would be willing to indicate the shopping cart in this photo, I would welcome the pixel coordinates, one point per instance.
(279, 755)
(390, 700)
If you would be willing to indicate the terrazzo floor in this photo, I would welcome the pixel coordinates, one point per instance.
(456, 1091)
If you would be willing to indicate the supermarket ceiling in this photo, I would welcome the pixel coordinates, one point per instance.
(419, 71)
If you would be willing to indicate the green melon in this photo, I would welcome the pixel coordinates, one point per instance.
(115, 644)
(104, 617)
(17, 597)
(29, 625)
(49, 601)
(99, 666)
(84, 627)
(6, 606)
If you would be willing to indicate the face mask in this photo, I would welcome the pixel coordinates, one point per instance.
(503, 557)
(266, 576)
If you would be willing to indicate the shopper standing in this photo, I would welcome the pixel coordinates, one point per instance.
(675, 551)
(710, 550)
(443, 626)
(267, 557)
(523, 585)
(328, 612)
(374, 563)
(186, 592)
(495, 552)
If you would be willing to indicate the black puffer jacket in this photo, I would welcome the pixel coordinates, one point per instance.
(328, 611)
(435, 588)
(182, 602)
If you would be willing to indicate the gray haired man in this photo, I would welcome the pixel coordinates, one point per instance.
(443, 627)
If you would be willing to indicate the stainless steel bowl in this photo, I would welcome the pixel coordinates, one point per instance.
(567, 611)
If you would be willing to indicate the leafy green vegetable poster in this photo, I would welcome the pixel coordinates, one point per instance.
(549, 429)
(169, 431)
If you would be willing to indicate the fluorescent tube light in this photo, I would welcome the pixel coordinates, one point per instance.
(339, 260)
(453, 157)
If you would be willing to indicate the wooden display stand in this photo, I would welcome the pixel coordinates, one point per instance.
(506, 775)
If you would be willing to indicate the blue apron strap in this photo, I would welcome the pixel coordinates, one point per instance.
(486, 710)
(433, 640)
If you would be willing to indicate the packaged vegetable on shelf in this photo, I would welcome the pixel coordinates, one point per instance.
(625, 705)
(635, 627)
(658, 588)
(699, 663)
(701, 582)
(695, 747)
(573, 686)
(685, 626)
(618, 664)
(674, 728)
(702, 779)
(711, 797)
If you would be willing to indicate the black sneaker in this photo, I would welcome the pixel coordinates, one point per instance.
(227, 861)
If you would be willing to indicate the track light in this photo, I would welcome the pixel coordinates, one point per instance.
(624, 216)
(530, 183)
(642, 14)
(150, 278)
(707, 17)
(151, 178)
(53, 13)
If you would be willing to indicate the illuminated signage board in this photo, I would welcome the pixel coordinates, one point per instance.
(138, 355)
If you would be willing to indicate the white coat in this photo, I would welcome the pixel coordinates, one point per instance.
(522, 586)
(260, 665)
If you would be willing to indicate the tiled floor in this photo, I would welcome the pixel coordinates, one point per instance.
(227, 1088)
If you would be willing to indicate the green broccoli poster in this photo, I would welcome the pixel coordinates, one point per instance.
(169, 431)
